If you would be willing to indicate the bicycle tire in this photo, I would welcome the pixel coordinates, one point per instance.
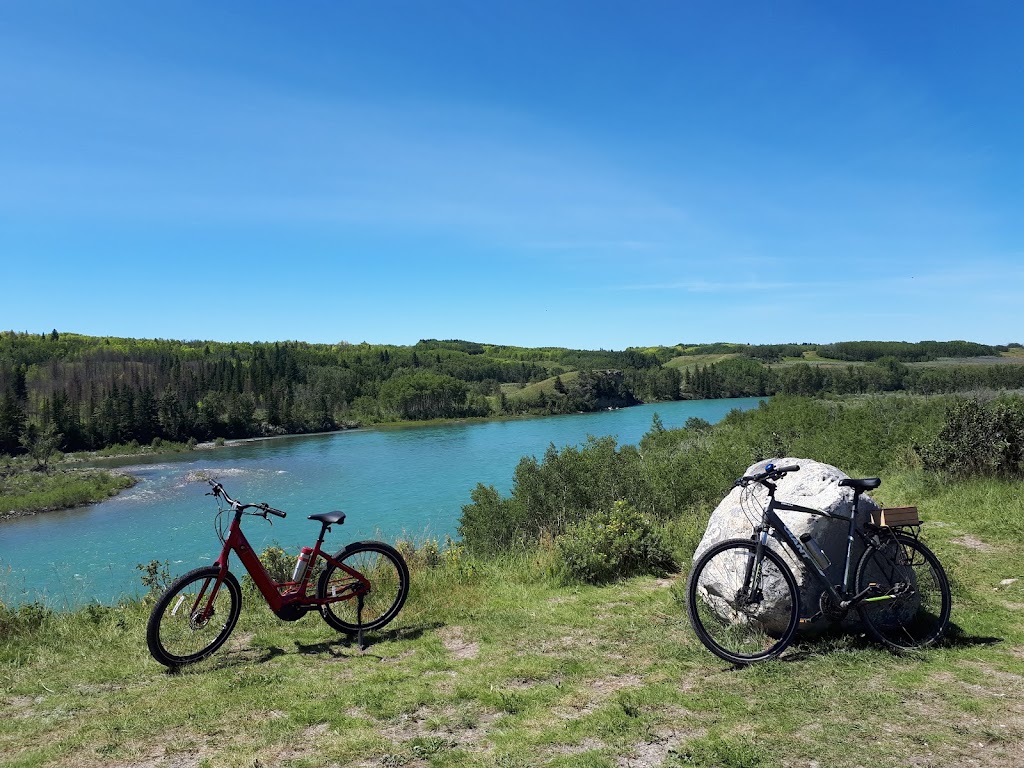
(178, 637)
(736, 632)
(918, 618)
(388, 574)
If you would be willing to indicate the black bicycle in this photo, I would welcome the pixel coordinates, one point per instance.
(744, 603)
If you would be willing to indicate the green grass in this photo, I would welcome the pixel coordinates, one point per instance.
(1013, 356)
(530, 392)
(157, 447)
(1006, 358)
(692, 362)
(494, 663)
(813, 357)
(28, 492)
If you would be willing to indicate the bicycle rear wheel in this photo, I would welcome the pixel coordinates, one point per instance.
(732, 625)
(912, 609)
(379, 564)
(185, 626)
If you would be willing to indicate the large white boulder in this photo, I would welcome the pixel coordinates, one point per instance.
(816, 485)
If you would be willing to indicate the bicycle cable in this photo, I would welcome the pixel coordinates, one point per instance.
(750, 505)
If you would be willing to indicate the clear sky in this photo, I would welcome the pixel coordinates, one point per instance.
(533, 172)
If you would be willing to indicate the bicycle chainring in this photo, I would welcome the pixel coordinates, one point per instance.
(829, 609)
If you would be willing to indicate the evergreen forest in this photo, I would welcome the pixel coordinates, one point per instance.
(79, 392)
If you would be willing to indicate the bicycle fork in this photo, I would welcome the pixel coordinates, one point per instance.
(751, 592)
(201, 610)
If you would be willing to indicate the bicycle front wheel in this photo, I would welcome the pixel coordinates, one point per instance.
(910, 605)
(372, 595)
(742, 613)
(189, 621)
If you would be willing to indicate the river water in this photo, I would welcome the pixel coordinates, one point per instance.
(401, 482)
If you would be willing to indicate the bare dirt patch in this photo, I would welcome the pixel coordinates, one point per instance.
(589, 744)
(587, 700)
(665, 583)
(24, 706)
(458, 729)
(973, 542)
(455, 642)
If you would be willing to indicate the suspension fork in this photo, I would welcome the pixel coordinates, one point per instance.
(751, 590)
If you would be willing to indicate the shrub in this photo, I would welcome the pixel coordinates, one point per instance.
(430, 553)
(278, 563)
(156, 577)
(552, 494)
(426, 554)
(616, 542)
(22, 620)
(979, 439)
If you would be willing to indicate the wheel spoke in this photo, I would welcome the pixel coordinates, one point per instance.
(372, 595)
(193, 618)
(742, 622)
(917, 612)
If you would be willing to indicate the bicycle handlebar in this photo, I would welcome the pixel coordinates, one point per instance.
(771, 472)
(271, 510)
(219, 492)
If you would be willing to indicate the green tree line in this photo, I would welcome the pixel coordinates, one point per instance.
(100, 391)
(851, 351)
(747, 377)
(95, 392)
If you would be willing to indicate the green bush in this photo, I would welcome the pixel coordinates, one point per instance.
(677, 476)
(22, 620)
(617, 542)
(278, 563)
(156, 577)
(550, 495)
(979, 439)
(425, 554)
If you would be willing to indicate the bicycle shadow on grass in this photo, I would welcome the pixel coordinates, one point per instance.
(838, 640)
(227, 660)
(343, 646)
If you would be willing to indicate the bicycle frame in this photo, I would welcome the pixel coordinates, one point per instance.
(772, 522)
(294, 601)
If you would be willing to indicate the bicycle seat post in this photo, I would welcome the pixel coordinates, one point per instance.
(326, 520)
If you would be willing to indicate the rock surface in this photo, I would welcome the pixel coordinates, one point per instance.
(816, 485)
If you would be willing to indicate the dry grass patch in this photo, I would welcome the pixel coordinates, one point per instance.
(455, 642)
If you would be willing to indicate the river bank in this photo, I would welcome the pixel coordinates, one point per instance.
(30, 492)
(81, 478)
(395, 483)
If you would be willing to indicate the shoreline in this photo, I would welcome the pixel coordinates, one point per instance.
(75, 501)
(67, 465)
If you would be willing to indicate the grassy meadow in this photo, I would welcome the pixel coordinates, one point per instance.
(500, 660)
(496, 663)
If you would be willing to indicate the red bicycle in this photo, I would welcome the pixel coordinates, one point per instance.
(362, 587)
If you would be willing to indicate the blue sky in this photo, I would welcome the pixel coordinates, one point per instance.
(581, 174)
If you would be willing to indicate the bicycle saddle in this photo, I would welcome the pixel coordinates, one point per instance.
(329, 518)
(861, 485)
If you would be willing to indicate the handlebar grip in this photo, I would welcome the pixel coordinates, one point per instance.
(790, 468)
(273, 511)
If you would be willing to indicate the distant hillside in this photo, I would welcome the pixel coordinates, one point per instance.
(87, 392)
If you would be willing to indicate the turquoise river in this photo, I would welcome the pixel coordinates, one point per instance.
(403, 482)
